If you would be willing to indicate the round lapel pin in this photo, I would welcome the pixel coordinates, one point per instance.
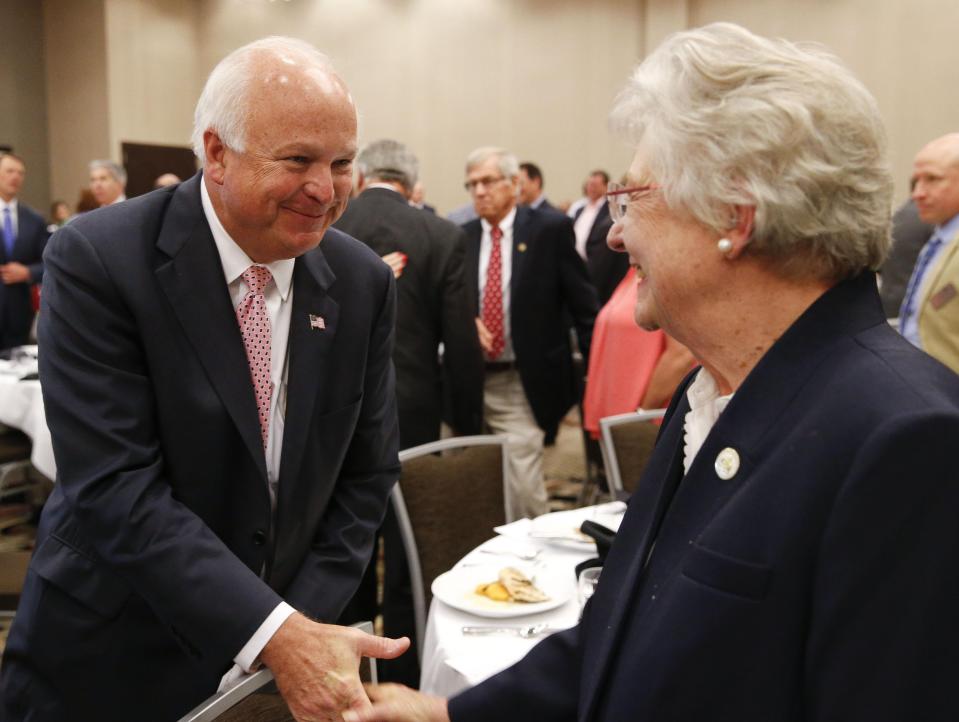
(727, 463)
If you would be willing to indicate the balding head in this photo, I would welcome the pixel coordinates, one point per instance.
(935, 180)
(277, 134)
(252, 75)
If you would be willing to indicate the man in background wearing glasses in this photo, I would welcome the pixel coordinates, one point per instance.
(524, 268)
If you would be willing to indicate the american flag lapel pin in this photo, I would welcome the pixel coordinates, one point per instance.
(317, 322)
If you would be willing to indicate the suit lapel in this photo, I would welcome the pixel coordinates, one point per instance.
(194, 284)
(522, 232)
(634, 543)
(939, 271)
(309, 348)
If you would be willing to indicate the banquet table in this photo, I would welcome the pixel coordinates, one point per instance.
(453, 661)
(21, 407)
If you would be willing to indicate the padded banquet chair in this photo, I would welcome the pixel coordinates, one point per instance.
(256, 697)
(627, 441)
(450, 496)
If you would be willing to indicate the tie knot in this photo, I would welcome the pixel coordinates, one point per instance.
(496, 233)
(257, 277)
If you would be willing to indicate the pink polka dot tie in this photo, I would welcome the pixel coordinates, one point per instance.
(255, 329)
(493, 295)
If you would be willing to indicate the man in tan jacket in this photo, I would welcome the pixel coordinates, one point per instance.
(929, 317)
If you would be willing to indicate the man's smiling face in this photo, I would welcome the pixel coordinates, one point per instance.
(278, 196)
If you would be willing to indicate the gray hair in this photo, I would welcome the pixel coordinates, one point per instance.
(389, 160)
(727, 118)
(117, 171)
(224, 102)
(507, 162)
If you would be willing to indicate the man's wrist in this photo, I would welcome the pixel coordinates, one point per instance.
(249, 657)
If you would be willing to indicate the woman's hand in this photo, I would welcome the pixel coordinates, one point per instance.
(396, 703)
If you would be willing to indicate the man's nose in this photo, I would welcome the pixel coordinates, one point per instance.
(319, 186)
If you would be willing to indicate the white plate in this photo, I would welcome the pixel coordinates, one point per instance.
(457, 588)
(562, 527)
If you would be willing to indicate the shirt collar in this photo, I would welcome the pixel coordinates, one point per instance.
(948, 230)
(505, 225)
(704, 391)
(12, 205)
(234, 259)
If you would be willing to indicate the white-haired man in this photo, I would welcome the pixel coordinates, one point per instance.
(220, 395)
(108, 182)
(929, 317)
(525, 275)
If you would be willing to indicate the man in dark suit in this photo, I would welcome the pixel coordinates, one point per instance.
(526, 275)
(591, 223)
(23, 236)
(434, 306)
(217, 379)
(531, 188)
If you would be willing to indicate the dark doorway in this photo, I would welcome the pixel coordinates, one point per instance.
(145, 163)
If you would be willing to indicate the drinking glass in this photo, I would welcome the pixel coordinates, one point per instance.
(586, 586)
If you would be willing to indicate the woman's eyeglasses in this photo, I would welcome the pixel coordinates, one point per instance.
(617, 195)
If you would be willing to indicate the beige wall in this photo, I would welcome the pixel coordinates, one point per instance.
(23, 102)
(77, 98)
(152, 73)
(447, 75)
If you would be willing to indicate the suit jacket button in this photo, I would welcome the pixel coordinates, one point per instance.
(259, 537)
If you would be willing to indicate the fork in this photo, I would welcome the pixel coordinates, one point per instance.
(525, 556)
(525, 632)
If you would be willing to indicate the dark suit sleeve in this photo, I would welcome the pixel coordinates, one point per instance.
(884, 633)
(462, 355)
(544, 685)
(332, 569)
(578, 292)
(38, 244)
(101, 410)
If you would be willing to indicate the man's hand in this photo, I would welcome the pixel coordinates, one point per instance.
(14, 272)
(485, 337)
(316, 666)
(396, 261)
(396, 703)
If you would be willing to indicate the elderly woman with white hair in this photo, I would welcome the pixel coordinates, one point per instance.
(791, 550)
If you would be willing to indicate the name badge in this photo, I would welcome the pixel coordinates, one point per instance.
(943, 296)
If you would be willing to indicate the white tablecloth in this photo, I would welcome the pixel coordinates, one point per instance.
(453, 661)
(21, 407)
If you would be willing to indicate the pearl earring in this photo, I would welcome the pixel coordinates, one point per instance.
(724, 245)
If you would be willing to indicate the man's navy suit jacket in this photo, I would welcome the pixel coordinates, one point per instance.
(16, 309)
(818, 583)
(146, 578)
(548, 281)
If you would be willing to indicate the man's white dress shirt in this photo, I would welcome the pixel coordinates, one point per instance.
(279, 307)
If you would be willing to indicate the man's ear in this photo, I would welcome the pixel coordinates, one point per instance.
(214, 167)
(741, 231)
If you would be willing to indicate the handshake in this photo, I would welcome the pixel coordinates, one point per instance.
(316, 671)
